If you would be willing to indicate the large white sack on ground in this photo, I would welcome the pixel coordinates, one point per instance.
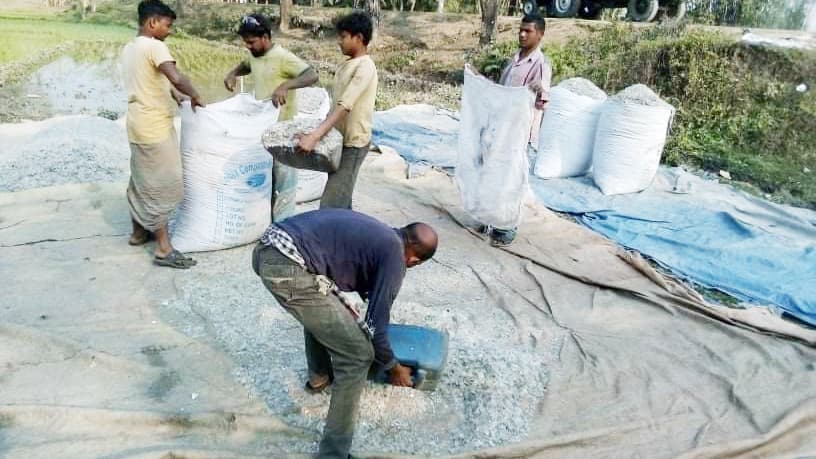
(567, 133)
(629, 141)
(492, 167)
(227, 175)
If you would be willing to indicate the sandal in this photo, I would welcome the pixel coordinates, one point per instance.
(176, 260)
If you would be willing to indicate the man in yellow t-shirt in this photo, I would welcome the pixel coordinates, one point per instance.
(150, 77)
(355, 90)
(276, 74)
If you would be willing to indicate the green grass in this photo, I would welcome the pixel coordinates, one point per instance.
(22, 50)
(737, 106)
(23, 38)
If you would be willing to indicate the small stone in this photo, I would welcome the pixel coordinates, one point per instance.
(806, 170)
(725, 174)
(194, 395)
(802, 88)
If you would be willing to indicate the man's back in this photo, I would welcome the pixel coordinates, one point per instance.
(354, 250)
(355, 88)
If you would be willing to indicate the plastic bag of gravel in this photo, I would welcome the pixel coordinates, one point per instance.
(629, 141)
(567, 133)
(227, 175)
(279, 140)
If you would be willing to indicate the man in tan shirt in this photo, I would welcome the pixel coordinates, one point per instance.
(155, 187)
(355, 89)
(276, 73)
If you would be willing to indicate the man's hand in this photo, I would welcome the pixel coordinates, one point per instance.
(229, 82)
(538, 90)
(279, 96)
(306, 143)
(196, 102)
(401, 376)
(177, 96)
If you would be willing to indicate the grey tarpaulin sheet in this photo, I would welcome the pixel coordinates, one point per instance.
(641, 367)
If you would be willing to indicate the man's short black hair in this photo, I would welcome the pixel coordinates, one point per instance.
(255, 25)
(539, 21)
(356, 23)
(152, 8)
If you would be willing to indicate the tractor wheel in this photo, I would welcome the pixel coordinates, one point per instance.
(563, 8)
(530, 7)
(675, 11)
(590, 10)
(642, 10)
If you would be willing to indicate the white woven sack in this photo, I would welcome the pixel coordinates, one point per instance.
(567, 134)
(227, 175)
(310, 185)
(629, 140)
(492, 169)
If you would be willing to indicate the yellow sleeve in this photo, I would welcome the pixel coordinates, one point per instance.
(159, 54)
(363, 77)
(291, 65)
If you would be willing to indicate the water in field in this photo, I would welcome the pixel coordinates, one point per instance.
(83, 76)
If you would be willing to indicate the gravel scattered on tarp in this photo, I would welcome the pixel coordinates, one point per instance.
(488, 394)
(61, 150)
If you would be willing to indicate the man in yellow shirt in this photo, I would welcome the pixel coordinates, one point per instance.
(276, 73)
(150, 74)
(355, 90)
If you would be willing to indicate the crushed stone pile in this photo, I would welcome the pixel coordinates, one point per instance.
(489, 391)
(583, 87)
(62, 150)
(639, 94)
(311, 100)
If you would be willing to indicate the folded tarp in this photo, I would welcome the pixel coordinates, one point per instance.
(706, 232)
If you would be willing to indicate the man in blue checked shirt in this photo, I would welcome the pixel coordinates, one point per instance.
(304, 261)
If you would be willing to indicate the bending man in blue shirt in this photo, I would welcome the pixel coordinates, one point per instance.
(303, 260)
